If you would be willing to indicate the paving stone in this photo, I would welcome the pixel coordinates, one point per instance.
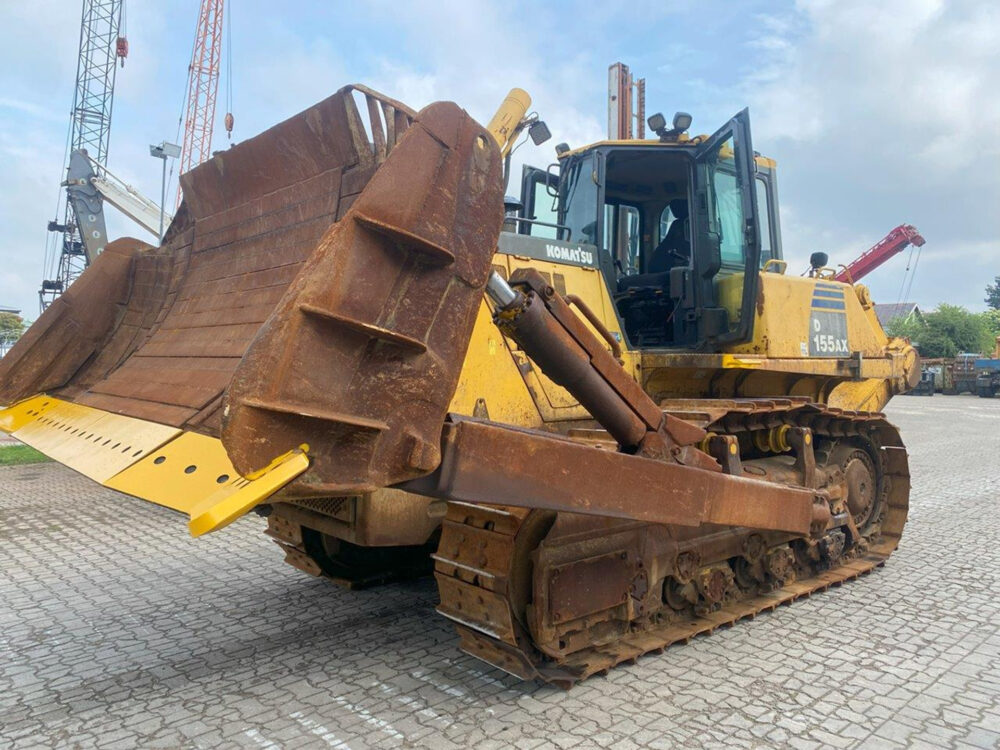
(984, 738)
(119, 630)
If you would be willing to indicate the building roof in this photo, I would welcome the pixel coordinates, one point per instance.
(890, 312)
(15, 310)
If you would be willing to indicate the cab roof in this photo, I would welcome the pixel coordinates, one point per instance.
(683, 141)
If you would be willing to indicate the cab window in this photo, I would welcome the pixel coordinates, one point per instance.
(764, 221)
(666, 218)
(623, 235)
(729, 220)
(543, 210)
(539, 204)
(579, 201)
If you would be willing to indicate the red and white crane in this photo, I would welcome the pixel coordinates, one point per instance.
(893, 243)
(202, 88)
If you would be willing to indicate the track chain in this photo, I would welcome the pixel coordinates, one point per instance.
(484, 548)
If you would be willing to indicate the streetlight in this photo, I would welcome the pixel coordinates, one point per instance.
(164, 151)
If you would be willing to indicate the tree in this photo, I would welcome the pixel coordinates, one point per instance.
(11, 328)
(11, 323)
(992, 318)
(993, 294)
(946, 331)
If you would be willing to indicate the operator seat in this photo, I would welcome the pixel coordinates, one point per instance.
(675, 247)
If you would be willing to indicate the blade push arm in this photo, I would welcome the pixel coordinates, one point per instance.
(658, 476)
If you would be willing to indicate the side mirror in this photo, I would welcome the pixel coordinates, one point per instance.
(539, 132)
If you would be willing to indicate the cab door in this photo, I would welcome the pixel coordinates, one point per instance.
(538, 204)
(726, 238)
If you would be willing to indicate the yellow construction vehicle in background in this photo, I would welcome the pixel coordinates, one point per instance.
(642, 430)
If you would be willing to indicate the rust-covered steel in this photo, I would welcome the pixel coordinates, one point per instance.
(486, 462)
(334, 308)
(549, 332)
(361, 357)
(157, 333)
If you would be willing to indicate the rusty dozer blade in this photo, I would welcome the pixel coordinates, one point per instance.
(156, 333)
(361, 358)
(358, 328)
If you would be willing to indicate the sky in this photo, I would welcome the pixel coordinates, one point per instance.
(878, 113)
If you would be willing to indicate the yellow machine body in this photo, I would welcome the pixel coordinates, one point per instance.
(499, 381)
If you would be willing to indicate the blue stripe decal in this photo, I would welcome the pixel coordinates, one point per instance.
(828, 293)
(829, 304)
(823, 285)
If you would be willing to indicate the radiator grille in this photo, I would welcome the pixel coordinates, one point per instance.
(341, 508)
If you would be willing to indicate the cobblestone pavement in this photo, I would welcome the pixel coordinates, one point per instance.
(118, 630)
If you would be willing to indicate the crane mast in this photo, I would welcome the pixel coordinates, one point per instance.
(203, 85)
(626, 104)
(102, 44)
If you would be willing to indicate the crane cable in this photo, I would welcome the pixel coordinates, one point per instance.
(906, 273)
(180, 117)
(227, 9)
(52, 238)
(913, 273)
(121, 44)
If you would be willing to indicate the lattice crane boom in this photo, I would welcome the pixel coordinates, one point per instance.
(102, 45)
(203, 86)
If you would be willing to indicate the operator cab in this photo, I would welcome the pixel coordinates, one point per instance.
(679, 228)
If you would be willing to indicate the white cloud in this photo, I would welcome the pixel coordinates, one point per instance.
(881, 114)
(31, 108)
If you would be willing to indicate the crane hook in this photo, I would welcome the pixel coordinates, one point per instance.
(122, 49)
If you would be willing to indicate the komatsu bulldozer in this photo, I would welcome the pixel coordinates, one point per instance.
(605, 415)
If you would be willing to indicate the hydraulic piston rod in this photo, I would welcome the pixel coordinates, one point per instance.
(531, 312)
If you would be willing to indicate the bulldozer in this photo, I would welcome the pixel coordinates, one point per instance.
(602, 413)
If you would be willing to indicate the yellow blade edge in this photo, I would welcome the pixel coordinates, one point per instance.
(224, 508)
(15, 416)
(193, 474)
(96, 443)
(184, 471)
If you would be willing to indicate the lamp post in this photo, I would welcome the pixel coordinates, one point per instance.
(164, 151)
